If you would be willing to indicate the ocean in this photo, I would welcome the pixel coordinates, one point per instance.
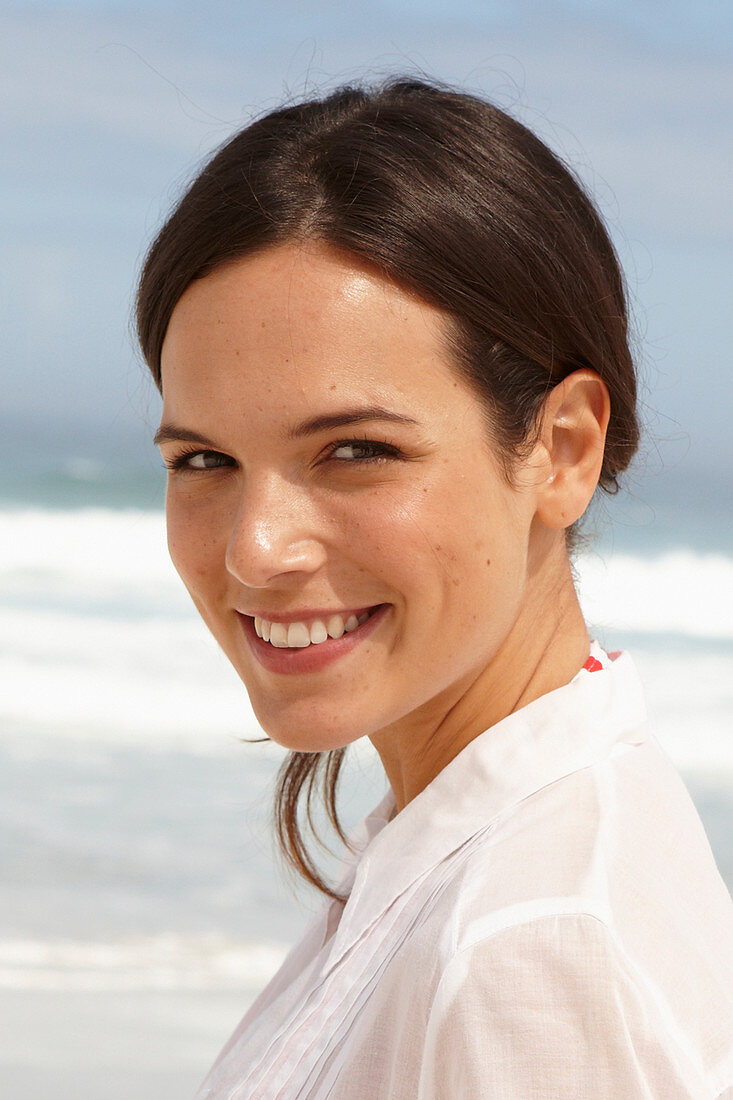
(144, 906)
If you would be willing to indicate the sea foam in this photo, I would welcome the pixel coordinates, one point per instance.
(99, 639)
(163, 962)
(100, 561)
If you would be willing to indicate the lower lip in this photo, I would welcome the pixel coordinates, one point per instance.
(311, 658)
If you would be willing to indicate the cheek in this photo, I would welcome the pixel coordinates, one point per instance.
(424, 548)
(193, 544)
(479, 553)
(390, 538)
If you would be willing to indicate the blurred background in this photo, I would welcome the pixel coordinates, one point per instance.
(143, 908)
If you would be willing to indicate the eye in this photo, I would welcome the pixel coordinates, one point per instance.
(362, 450)
(199, 460)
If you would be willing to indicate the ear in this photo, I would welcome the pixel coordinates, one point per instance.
(573, 426)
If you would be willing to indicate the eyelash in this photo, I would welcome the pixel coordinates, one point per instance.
(380, 452)
(181, 460)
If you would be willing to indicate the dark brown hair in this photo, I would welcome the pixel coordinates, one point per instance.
(452, 198)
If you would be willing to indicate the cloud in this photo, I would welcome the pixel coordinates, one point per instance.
(117, 99)
(104, 113)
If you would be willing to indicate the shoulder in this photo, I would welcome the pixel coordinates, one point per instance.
(553, 1005)
(620, 842)
(589, 930)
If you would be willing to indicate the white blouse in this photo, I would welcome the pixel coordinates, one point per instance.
(544, 920)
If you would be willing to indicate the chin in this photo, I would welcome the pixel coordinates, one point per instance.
(300, 741)
(297, 731)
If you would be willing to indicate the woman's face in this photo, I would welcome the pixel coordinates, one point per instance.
(332, 487)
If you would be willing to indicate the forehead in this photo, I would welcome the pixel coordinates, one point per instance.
(302, 324)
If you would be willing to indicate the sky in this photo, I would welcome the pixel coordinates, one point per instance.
(108, 109)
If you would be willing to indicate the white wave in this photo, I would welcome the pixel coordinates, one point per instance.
(96, 540)
(98, 638)
(88, 555)
(679, 592)
(690, 704)
(159, 681)
(163, 962)
(120, 558)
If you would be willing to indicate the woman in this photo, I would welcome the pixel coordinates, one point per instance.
(390, 334)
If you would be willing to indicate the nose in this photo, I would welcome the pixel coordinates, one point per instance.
(275, 533)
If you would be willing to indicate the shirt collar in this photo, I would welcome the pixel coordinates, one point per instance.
(562, 732)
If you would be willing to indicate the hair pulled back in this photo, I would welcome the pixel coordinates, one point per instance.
(450, 197)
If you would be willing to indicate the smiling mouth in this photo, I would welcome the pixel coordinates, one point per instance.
(301, 633)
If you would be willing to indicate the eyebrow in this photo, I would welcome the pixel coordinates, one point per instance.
(171, 433)
(347, 416)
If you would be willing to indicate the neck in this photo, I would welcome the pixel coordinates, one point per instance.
(545, 648)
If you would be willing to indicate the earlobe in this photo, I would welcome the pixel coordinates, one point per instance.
(574, 422)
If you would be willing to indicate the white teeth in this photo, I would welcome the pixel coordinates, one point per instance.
(298, 635)
(279, 635)
(335, 626)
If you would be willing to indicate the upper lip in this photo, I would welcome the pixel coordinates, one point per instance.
(306, 615)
